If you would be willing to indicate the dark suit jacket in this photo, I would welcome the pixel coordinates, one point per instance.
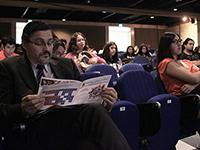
(17, 80)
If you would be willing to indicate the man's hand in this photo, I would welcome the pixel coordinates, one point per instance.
(109, 96)
(32, 103)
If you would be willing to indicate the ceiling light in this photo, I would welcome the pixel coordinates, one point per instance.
(175, 9)
(88, 1)
(63, 19)
(185, 19)
(152, 17)
(120, 25)
(104, 11)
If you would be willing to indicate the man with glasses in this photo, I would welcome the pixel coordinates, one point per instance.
(86, 126)
(8, 47)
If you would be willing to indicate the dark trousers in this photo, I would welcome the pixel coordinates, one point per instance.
(81, 127)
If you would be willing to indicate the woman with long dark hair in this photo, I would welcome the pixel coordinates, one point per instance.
(144, 51)
(81, 53)
(128, 55)
(110, 55)
(179, 76)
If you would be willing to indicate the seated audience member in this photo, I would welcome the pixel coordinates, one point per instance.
(197, 51)
(143, 51)
(81, 53)
(19, 49)
(128, 55)
(110, 55)
(180, 77)
(58, 48)
(188, 52)
(86, 126)
(8, 45)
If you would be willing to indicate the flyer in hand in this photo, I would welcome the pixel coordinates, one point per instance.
(59, 92)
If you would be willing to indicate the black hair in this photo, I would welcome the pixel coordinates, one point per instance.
(106, 51)
(164, 49)
(186, 42)
(7, 40)
(32, 27)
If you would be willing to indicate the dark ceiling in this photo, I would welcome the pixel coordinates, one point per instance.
(111, 11)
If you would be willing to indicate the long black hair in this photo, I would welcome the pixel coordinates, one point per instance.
(164, 49)
(106, 55)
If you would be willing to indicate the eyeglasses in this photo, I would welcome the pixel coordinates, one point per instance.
(41, 43)
(177, 41)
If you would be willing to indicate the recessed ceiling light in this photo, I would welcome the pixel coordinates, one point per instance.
(63, 19)
(175, 9)
(185, 18)
(88, 1)
(152, 17)
(120, 25)
(104, 11)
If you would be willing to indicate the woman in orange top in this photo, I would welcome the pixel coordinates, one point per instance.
(179, 76)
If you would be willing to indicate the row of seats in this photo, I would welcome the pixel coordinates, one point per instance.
(134, 114)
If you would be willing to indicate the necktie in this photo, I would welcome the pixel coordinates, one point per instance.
(40, 72)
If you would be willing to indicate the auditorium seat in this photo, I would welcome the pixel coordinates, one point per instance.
(130, 66)
(126, 116)
(139, 87)
(104, 69)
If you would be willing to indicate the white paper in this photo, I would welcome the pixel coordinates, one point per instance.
(59, 92)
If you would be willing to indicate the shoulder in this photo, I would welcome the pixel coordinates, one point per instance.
(69, 55)
(12, 60)
(60, 60)
(184, 56)
(164, 63)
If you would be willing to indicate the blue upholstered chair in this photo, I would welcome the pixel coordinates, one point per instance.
(147, 65)
(130, 66)
(126, 116)
(88, 75)
(139, 87)
(189, 125)
(104, 69)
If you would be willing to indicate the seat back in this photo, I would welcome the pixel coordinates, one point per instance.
(136, 86)
(158, 81)
(125, 115)
(140, 60)
(144, 62)
(168, 135)
(88, 75)
(130, 66)
(104, 69)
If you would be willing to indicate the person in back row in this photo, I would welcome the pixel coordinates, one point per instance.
(58, 48)
(8, 45)
(188, 52)
(128, 55)
(144, 51)
(81, 53)
(110, 55)
(78, 127)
